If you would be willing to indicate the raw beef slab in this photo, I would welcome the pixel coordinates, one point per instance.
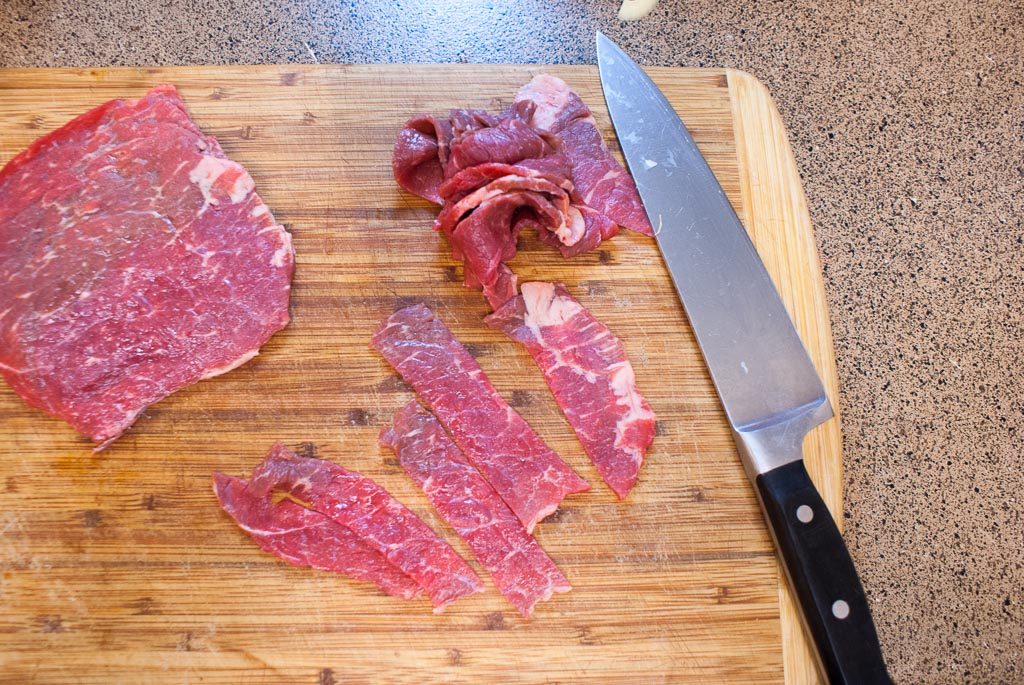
(523, 572)
(303, 537)
(586, 368)
(602, 183)
(135, 259)
(525, 472)
(377, 518)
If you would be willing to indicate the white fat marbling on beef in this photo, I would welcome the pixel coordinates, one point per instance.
(209, 169)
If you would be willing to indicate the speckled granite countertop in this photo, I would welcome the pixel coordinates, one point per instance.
(907, 120)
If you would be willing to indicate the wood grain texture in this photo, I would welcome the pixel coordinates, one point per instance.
(777, 219)
(120, 566)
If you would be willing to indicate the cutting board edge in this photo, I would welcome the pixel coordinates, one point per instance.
(779, 222)
(761, 211)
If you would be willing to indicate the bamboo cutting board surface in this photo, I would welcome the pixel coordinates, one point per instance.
(120, 567)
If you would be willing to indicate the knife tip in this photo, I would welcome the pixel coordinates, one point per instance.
(606, 48)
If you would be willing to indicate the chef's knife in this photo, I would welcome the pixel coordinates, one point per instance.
(768, 385)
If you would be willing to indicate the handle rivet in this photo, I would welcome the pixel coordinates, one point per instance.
(804, 513)
(840, 609)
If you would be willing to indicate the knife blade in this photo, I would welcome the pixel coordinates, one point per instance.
(768, 385)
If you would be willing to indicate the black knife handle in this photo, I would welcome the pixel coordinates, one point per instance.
(823, 576)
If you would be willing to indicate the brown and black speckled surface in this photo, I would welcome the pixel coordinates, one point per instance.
(907, 119)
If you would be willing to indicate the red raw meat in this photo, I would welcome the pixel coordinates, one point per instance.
(465, 121)
(529, 476)
(431, 151)
(554, 166)
(546, 143)
(487, 239)
(376, 517)
(503, 289)
(599, 179)
(475, 177)
(303, 537)
(588, 228)
(453, 212)
(555, 104)
(507, 142)
(420, 156)
(488, 205)
(587, 370)
(521, 569)
(136, 260)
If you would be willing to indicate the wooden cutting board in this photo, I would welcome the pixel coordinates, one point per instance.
(120, 567)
